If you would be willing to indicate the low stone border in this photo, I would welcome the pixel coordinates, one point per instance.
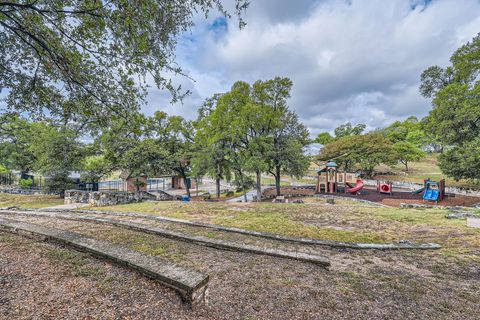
(432, 206)
(266, 235)
(208, 242)
(376, 204)
(191, 284)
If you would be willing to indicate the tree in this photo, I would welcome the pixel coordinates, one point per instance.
(324, 138)
(268, 134)
(344, 130)
(58, 152)
(286, 155)
(16, 136)
(176, 138)
(363, 152)
(91, 59)
(95, 168)
(455, 117)
(227, 127)
(212, 148)
(408, 139)
(406, 151)
(347, 129)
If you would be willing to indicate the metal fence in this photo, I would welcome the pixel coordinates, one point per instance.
(158, 184)
(42, 184)
(7, 178)
(112, 185)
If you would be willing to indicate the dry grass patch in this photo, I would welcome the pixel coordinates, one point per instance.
(29, 201)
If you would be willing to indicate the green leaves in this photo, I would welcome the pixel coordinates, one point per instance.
(455, 117)
(88, 53)
(250, 128)
(362, 152)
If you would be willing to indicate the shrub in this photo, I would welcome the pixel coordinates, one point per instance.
(25, 183)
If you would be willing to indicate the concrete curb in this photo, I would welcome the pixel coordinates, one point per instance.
(191, 284)
(200, 240)
(333, 244)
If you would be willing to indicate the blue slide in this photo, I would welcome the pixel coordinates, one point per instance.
(431, 195)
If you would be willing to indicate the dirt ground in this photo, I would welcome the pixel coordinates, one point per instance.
(45, 281)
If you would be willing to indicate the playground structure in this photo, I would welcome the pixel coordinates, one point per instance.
(385, 187)
(330, 180)
(434, 190)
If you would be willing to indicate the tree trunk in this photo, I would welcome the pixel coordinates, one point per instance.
(217, 186)
(187, 187)
(277, 180)
(259, 185)
(243, 185)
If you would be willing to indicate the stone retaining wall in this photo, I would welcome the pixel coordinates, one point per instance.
(107, 198)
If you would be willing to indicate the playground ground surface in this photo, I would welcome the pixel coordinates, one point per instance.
(399, 197)
(41, 280)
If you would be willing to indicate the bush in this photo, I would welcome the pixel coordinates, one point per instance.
(25, 183)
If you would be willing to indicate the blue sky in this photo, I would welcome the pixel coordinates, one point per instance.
(357, 61)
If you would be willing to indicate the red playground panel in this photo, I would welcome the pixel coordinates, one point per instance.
(385, 187)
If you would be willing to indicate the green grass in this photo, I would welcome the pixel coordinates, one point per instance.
(280, 224)
(29, 201)
(346, 221)
(421, 170)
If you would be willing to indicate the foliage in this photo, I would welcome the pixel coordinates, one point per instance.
(344, 130)
(3, 169)
(462, 161)
(324, 138)
(89, 61)
(251, 129)
(58, 153)
(212, 150)
(25, 183)
(362, 152)
(455, 117)
(95, 167)
(16, 138)
(156, 145)
(347, 129)
(406, 152)
(409, 130)
(408, 138)
(174, 137)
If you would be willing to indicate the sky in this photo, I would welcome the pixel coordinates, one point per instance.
(355, 61)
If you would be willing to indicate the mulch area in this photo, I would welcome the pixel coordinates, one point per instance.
(399, 197)
(393, 200)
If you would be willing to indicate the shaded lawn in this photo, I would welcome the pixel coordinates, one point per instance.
(29, 201)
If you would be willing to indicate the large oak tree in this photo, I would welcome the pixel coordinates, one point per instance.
(90, 60)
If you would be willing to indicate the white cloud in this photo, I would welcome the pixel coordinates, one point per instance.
(357, 61)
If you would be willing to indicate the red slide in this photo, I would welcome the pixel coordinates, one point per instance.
(358, 187)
